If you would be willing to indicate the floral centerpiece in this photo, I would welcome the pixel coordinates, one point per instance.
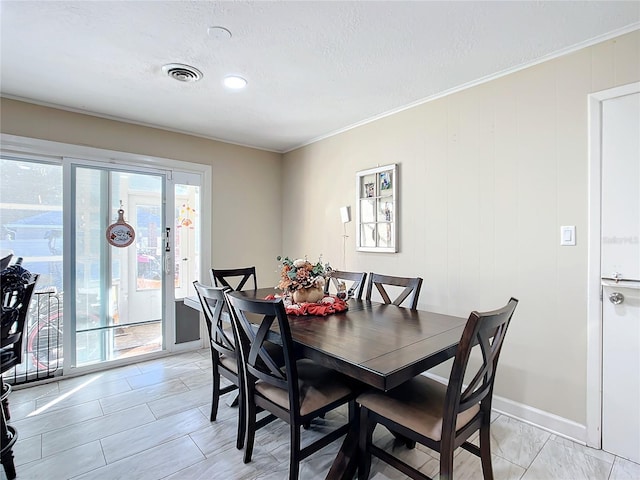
(303, 280)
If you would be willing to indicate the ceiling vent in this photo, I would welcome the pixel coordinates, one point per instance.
(182, 73)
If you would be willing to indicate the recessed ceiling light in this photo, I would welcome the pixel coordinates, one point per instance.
(234, 82)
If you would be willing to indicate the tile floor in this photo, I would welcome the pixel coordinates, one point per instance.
(151, 421)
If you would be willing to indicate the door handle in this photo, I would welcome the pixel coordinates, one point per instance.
(616, 298)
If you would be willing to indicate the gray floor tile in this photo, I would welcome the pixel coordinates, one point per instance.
(152, 464)
(47, 420)
(560, 462)
(73, 435)
(138, 439)
(67, 464)
(625, 470)
(515, 441)
(28, 450)
(180, 402)
(142, 395)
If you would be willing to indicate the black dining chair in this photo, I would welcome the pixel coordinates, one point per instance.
(442, 417)
(239, 276)
(354, 288)
(5, 261)
(297, 391)
(410, 289)
(224, 355)
(17, 285)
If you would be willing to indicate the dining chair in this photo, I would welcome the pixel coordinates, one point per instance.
(5, 261)
(296, 392)
(356, 287)
(220, 277)
(224, 355)
(410, 292)
(18, 286)
(442, 417)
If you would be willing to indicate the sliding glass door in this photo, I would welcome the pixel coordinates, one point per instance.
(117, 290)
(98, 302)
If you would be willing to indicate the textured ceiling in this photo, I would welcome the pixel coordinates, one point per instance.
(314, 67)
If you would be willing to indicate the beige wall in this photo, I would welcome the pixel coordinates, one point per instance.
(246, 183)
(487, 176)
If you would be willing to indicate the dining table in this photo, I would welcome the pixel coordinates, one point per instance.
(381, 345)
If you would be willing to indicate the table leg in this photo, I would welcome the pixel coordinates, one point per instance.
(346, 462)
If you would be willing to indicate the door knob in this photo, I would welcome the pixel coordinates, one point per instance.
(616, 298)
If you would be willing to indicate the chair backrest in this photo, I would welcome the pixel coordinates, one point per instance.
(213, 303)
(17, 290)
(257, 323)
(354, 290)
(410, 292)
(487, 330)
(219, 277)
(5, 261)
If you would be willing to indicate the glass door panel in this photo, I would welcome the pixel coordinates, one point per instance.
(31, 228)
(118, 294)
(187, 239)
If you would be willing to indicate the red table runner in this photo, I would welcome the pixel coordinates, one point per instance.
(328, 305)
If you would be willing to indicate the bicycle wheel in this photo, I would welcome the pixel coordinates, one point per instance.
(44, 345)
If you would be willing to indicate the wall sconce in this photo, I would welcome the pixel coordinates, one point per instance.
(345, 214)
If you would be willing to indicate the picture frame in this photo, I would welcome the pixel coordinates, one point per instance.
(377, 210)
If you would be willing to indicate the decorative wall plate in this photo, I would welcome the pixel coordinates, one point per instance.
(120, 234)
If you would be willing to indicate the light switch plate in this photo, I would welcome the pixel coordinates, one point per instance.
(568, 235)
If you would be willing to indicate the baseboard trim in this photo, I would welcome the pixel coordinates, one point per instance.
(555, 424)
(539, 418)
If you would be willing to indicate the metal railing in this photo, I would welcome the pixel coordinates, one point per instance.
(42, 342)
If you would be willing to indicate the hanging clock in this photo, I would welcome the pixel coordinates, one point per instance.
(120, 234)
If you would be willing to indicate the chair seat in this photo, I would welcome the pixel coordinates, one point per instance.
(229, 363)
(319, 386)
(417, 404)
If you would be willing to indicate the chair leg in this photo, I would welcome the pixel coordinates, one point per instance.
(294, 453)
(215, 394)
(6, 457)
(5, 400)
(366, 436)
(485, 451)
(354, 412)
(250, 434)
(242, 421)
(446, 462)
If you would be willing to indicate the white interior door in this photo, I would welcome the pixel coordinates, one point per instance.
(620, 253)
(621, 372)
